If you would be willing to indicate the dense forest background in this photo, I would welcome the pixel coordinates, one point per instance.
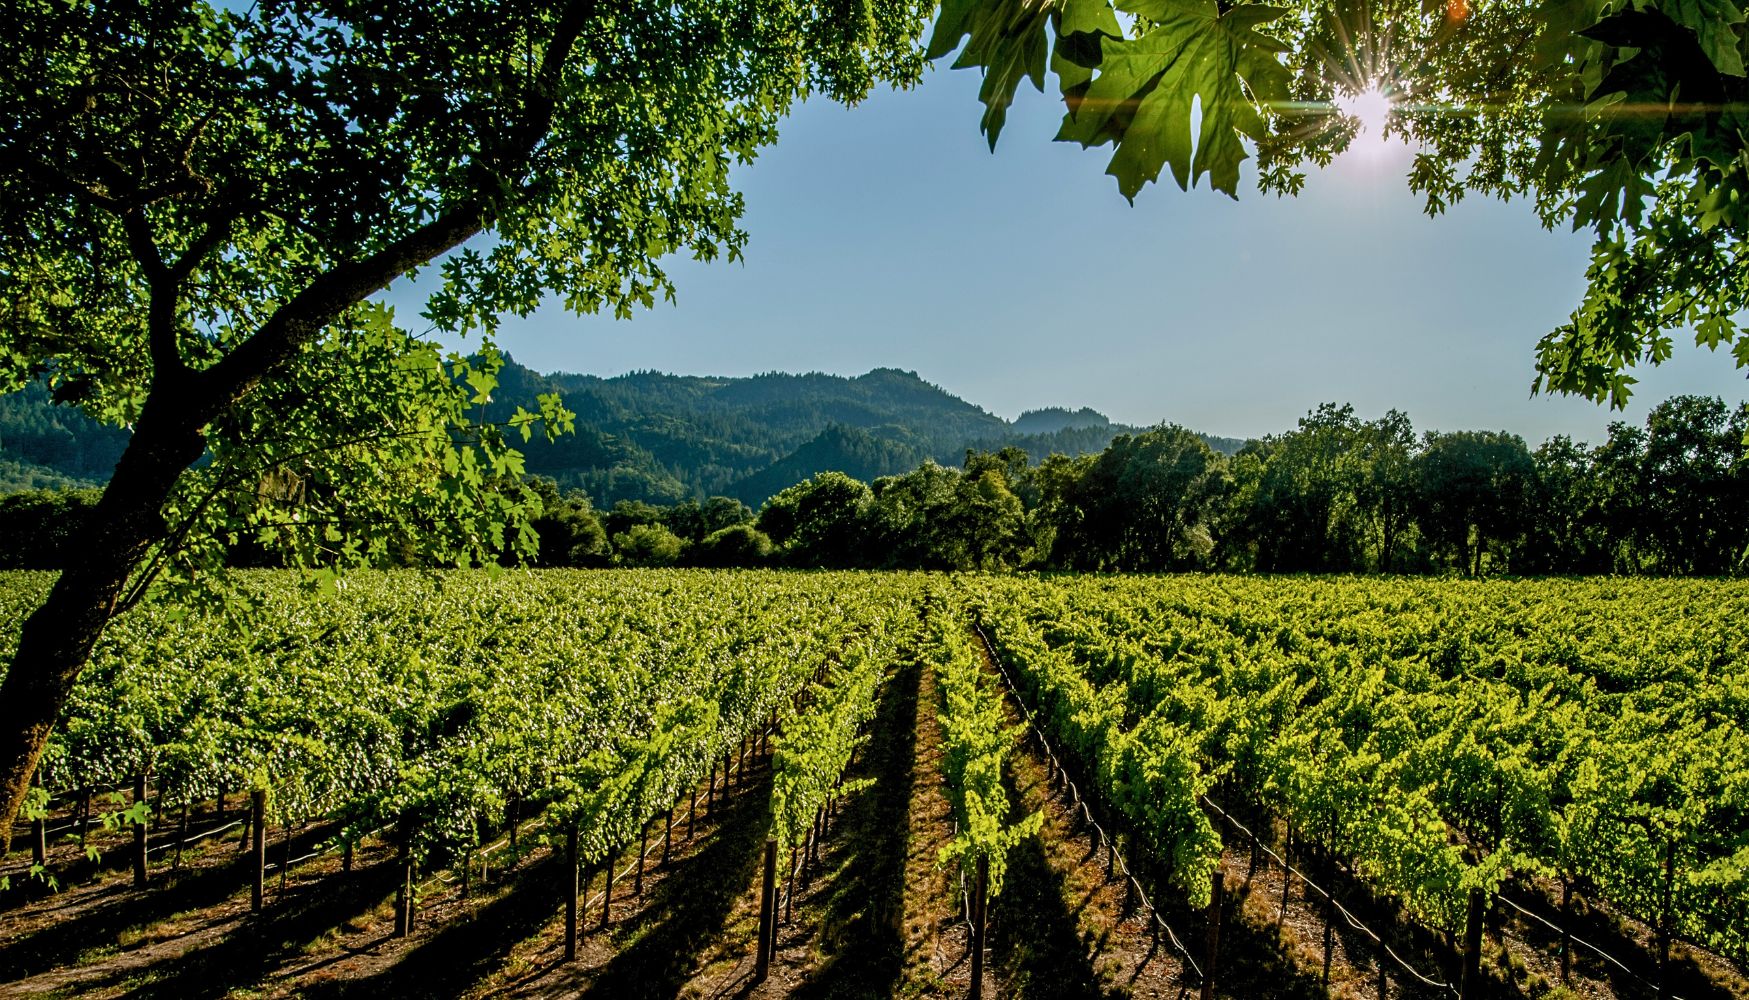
(661, 438)
(885, 470)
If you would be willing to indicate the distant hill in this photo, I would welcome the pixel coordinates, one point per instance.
(857, 453)
(1052, 419)
(45, 446)
(662, 438)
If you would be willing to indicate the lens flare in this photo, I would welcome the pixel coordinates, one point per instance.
(1371, 107)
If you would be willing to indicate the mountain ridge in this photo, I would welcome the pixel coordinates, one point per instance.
(662, 438)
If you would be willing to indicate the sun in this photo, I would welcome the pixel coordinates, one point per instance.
(1371, 107)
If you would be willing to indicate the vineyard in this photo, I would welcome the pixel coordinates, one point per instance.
(703, 783)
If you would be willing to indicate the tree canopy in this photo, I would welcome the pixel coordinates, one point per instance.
(197, 205)
(1624, 117)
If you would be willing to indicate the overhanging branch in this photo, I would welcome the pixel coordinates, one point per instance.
(302, 318)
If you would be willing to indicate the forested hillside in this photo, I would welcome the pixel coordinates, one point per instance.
(44, 446)
(662, 438)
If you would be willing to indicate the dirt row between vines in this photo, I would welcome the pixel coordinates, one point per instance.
(1113, 947)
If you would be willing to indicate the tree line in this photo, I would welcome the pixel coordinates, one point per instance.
(1337, 494)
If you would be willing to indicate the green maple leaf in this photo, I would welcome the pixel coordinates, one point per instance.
(1011, 42)
(1715, 24)
(1008, 40)
(1147, 88)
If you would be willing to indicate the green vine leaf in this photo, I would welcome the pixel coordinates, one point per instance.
(1149, 91)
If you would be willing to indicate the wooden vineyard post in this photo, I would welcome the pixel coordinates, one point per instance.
(789, 898)
(691, 811)
(181, 836)
(1472, 978)
(1384, 953)
(404, 895)
(1329, 930)
(643, 848)
(1664, 918)
(515, 810)
(39, 841)
(1217, 889)
(710, 791)
(810, 851)
(140, 830)
(258, 863)
(285, 855)
(667, 836)
(1287, 878)
(248, 825)
(1566, 929)
(741, 764)
(767, 913)
(980, 891)
(571, 891)
(607, 890)
(346, 857)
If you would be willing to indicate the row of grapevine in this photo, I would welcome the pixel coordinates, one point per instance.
(819, 739)
(1434, 766)
(815, 745)
(1595, 733)
(444, 705)
(1146, 768)
(976, 741)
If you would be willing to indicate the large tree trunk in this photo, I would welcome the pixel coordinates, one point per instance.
(58, 637)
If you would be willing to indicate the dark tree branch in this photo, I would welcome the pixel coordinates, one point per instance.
(215, 231)
(143, 243)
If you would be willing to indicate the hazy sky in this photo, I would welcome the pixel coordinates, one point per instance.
(888, 235)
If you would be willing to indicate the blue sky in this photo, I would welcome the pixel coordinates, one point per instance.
(888, 235)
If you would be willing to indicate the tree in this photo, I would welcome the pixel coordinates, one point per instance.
(647, 545)
(1566, 533)
(627, 514)
(908, 518)
(1059, 523)
(820, 522)
(1475, 489)
(1694, 485)
(1298, 494)
(693, 521)
(570, 531)
(1626, 119)
(986, 521)
(38, 528)
(1616, 466)
(1145, 503)
(736, 545)
(1386, 490)
(197, 206)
